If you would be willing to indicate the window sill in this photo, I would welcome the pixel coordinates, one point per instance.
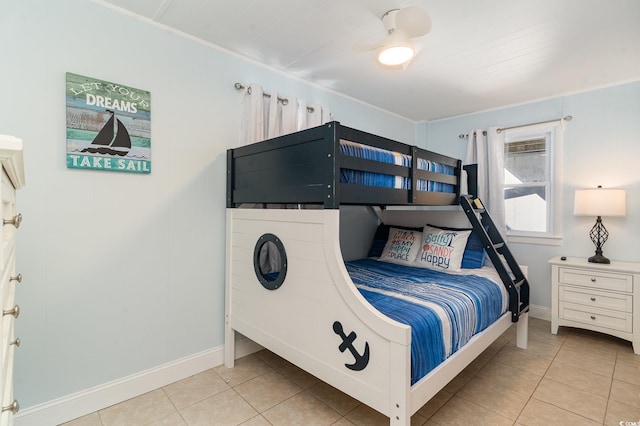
(529, 239)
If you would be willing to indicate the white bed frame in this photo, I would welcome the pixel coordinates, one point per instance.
(296, 320)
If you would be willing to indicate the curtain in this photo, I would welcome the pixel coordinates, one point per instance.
(274, 112)
(252, 124)
(289, 117)
(302, 114)
(487, 151)
(314, 115)
(267, 116)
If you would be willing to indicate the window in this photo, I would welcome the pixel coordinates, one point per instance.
(531, 181)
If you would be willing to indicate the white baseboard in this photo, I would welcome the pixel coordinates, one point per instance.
(87, 401)
(540, 312)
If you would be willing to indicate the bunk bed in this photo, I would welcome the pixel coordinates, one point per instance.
(354, 324)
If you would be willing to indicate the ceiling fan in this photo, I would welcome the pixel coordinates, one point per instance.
(401, 25)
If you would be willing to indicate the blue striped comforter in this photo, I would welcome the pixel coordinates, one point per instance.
(444, 310)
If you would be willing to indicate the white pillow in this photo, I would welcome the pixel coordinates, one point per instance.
(442, 249)
(402, 246)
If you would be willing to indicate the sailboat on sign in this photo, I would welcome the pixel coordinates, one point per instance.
(112, 139)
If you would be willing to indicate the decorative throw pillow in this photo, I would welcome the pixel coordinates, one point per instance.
(474, 253)
(382, 235)
(442, 249)
(403, 245)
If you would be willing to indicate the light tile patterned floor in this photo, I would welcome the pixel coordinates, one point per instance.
(575, 378)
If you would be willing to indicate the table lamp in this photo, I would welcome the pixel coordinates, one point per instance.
(599, 202)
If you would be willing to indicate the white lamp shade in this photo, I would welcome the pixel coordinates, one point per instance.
(600, 202)
(396, 54)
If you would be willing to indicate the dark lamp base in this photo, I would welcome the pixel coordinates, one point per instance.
(598, 258)
(599, 236)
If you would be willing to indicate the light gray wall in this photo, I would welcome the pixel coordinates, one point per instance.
(601, 147)
(125, 272)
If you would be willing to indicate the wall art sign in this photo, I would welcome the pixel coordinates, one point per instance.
(108, 126)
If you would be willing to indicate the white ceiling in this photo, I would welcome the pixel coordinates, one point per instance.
(480, 54)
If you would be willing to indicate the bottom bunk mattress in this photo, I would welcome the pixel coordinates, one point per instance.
(445, 310)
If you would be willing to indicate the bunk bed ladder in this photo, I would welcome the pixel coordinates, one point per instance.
(500, 255)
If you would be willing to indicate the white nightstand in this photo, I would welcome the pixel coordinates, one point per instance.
(598, 297)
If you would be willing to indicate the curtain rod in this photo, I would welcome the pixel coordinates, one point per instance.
(499, 130)
(285, 101)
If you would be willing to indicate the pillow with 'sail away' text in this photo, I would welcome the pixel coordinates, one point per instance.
(442, 249)
(402, 246)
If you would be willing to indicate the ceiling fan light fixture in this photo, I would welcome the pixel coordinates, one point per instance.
(396, 54)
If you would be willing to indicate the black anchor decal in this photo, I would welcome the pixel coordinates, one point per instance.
(347, 343)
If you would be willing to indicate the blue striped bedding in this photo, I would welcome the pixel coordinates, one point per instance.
(359, 177)
(444, 310)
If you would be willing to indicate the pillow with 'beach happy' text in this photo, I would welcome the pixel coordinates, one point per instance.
(442, 249)
(403, 245)
(474, 253)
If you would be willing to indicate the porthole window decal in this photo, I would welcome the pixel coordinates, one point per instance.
(270, 261)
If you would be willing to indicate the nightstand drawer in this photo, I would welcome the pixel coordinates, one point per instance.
(596, 279)
(595, 317)
(593, 298)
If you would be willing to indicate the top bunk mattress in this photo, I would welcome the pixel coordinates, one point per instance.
(358, 177)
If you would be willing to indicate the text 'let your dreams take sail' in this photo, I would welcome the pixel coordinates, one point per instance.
(108, 126)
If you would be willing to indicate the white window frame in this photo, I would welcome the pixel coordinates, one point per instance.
(552, 133)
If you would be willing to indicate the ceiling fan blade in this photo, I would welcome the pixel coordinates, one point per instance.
(413, 21)
(366, 47)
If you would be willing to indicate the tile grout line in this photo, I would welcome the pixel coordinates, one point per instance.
(173, 404)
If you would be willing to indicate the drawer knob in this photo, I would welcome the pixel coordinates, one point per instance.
(15, 342)
(16, 221)
(593, 299)
(15, 312)
(16, 278)
(593, 317)
(593, 280)
(14, 407)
